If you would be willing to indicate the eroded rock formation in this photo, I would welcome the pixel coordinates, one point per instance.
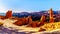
(28, 20)
(32, 23)
(22, 21)
(9, 14)
(51, 16)
(19, 23)
(42, 20)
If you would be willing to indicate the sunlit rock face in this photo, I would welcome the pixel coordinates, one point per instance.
(9, 14)
(26, 20)
(42, 20)
(30, 19)
(51, 15)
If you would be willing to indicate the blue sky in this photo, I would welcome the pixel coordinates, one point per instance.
(28, 5)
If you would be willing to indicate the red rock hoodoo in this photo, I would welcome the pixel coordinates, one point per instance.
(9, 14)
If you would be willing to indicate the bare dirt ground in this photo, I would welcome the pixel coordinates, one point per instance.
(8, 24)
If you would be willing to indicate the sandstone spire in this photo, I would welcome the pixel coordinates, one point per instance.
(30, 19)
(51, 15)
(9, 14)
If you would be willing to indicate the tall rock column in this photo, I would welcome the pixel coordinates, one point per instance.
(9, 14)
(30, 19)
(27, 20)
(51, 16)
